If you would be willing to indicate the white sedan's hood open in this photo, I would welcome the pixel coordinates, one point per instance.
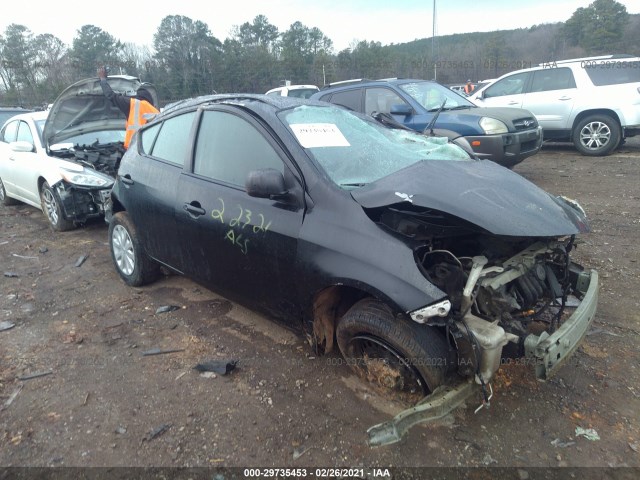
(83, 108)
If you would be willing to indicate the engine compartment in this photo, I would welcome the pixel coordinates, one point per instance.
(102, 157)
(502, 289)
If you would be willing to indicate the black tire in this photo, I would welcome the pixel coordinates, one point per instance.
(52, 209)
(409, 360)
(4, 198)
(129, 258)
(596, 135)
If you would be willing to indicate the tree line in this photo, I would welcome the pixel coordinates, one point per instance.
(186, 60)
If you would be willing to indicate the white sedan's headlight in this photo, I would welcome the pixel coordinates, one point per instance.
(491, 126)
(85, 178)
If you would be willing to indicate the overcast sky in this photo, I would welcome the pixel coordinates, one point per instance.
(343, 21)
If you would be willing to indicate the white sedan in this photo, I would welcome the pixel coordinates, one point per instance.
(65, 160)
(66, 191)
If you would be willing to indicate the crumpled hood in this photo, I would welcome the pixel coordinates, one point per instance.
(480, 192)
(82, 108)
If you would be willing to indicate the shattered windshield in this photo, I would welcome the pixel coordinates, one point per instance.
(431, 95)
(354, 151)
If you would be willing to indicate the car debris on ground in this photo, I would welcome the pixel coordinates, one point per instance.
(156, 432)
(167, 308)
(157, 351)
(588, 433)
(221, 367)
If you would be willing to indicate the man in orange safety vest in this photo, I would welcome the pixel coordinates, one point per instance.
(469, 87)
(134, 108)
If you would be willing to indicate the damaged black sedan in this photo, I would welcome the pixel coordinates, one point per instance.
(423, 264)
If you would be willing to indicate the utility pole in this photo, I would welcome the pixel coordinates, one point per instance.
(433, 43)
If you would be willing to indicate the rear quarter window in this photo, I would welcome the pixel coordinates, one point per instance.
(615, 72)
(172, 142)
(148, 138)
(352, 99)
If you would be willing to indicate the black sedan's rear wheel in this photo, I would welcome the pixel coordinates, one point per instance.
(52, 208)
(403, 358)
(129, 258)
(4, 198)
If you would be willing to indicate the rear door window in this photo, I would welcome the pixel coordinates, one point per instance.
(552, 79)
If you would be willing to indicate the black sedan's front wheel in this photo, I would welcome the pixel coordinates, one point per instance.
(131, 262)
(53, 209)
(401, 357)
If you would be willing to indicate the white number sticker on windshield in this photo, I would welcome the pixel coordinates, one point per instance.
(314, 135)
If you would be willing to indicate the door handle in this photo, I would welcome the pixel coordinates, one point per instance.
(13, 159)
(514, 103)
(564, 97)
(127, 179)
(194, 209)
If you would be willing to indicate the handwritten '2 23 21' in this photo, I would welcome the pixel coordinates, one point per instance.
(241, 221)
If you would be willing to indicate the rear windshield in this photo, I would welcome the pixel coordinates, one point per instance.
(613, 72)
(302, 92)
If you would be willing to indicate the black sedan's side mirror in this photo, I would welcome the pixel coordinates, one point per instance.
(265, 183)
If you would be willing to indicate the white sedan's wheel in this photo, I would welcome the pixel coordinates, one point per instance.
(53, 210)
(4, 198)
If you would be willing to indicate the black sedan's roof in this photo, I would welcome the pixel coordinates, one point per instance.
(246, 99)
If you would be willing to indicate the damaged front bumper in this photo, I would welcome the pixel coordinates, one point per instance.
(439, 403)
(79, 203)
(548, 352)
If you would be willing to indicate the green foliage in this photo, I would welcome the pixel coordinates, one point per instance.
(599, 28)
(186, 57)
(92, 48)
(187, 60)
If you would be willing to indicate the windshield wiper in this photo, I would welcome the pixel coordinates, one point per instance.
(429, 128)
(357, 184)
(460, 107)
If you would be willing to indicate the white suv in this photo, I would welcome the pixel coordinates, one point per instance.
(298, 91)
(593, 102)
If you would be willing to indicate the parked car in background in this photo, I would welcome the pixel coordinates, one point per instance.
(458, 89)
(593, 102)
(64, 160)
(7, 112)
(500, 134)
(298, 91)
(419, 261)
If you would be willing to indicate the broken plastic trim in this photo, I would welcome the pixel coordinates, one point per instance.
(439, 403)
(440, 309)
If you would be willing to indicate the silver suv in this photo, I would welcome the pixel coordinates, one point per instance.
(593, 102)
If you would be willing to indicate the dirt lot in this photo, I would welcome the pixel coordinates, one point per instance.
(103, 401)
